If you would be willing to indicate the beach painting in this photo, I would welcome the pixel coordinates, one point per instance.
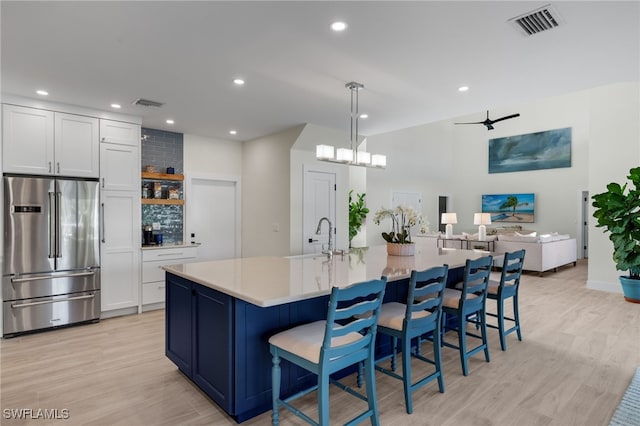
(550, 149)
(514, 208)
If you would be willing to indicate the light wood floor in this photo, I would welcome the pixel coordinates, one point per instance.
(579, 351)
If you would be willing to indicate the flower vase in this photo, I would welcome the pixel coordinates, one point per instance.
(397, 249)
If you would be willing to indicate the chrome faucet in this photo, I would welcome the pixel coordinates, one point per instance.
(328, 252)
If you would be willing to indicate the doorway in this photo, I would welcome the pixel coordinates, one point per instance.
(442, 208)
(213, 217)
(319, 200)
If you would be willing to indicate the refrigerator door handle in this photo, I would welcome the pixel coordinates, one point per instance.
(46, 302)
(48, 277)
(58, 225)
(52, 225)
(102, 223)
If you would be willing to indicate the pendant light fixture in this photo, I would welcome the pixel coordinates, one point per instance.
(351, 156)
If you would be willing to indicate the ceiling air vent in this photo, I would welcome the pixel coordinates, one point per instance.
(536, 21)
(147, 103)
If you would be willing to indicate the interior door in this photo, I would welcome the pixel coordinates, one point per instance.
(319, 201)
(213, 217)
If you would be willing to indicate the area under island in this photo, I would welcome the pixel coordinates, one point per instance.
(220, 314)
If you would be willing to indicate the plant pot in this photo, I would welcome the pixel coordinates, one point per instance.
(630, 289)
(397, 249)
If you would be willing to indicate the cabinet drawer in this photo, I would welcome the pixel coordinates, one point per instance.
(153, 292)
(165, 254)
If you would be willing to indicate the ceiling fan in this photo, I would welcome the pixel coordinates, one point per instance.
(489, 123)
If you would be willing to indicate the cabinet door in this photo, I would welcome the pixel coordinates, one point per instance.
(120, 249)
(178, 320)
(76, 151)
(27, 136)
(119, 132)
(120, 168)
(213, 346)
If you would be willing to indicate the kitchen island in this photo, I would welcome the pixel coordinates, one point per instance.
(220, 314)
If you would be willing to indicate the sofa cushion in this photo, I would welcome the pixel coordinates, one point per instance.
(518, 238)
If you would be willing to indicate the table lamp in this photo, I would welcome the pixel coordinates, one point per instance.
(449, 219)
(482, 219)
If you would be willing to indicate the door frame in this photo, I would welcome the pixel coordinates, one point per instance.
(189, 178)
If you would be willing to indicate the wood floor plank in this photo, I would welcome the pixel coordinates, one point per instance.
(579, 351)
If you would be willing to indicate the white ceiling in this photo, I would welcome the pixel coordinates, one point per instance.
(411, 57)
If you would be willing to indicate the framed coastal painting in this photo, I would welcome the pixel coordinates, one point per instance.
(550, 149)
(513, 208)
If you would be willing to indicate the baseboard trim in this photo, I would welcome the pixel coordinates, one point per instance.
(604, 286)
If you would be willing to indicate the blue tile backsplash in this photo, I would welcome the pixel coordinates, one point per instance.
(163, 149)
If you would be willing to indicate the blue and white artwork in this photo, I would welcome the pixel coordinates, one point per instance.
(514, 208)
(550, 149)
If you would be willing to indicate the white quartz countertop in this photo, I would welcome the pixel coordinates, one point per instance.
(270, 281)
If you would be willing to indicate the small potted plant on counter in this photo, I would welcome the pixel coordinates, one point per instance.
(618, 211)
(399, 239)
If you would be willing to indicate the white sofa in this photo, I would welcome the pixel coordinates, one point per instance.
(543, 253)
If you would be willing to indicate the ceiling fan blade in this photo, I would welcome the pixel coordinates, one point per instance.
(506, 117)
(473, 122)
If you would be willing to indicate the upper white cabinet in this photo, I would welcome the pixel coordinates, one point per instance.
(119, 132)
(119, 167)
(42, 142)
(27, 140)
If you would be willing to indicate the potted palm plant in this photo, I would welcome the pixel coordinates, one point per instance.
(618, 211)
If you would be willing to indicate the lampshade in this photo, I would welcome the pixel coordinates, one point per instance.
(363, 157)
(324, 152)
(482, 218)
(379, 160)
(344, 155)
(449, 218)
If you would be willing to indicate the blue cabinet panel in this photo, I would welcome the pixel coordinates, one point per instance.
(178, 338)
(213, 345)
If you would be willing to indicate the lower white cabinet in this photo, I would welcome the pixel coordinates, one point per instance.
(120, 250)
(153, 282)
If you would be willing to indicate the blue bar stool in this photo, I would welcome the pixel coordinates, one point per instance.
(468, 305)
(507, 288)
(420, 315)
(346, 338)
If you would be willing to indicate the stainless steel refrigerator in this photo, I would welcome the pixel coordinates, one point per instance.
(51, 273)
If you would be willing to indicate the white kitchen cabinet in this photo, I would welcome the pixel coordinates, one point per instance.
(76, 151)
(27, 140)
(43, 142)
(153, 276)
(121, 212)
(120, 250)
(119, 167)
(120, 132)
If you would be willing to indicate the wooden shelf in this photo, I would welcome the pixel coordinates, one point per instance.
(162, 201)
(161, 176)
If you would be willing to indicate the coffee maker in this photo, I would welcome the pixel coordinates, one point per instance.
(147, 235)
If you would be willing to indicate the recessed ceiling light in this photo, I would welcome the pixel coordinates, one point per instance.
(338, 26)
(364, 116)
(116, 106)
(170, 121)
(42, 92)
(238, 81)
(233, 132)
(463, 88)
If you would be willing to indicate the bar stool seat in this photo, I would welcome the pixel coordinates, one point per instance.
(346, 338)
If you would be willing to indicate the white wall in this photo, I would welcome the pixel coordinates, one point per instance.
(614, 148)
(212, 156)
(419, 159)
(266, 194)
